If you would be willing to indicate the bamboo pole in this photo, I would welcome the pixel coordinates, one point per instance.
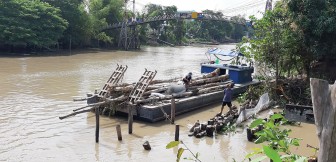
(118, 99)
(97, 124)
(118, 128)
(130, 88)
(177, 132)
(167, 97)
(75, 113)
(90, 105)
(130, 119)
(173, 108)
(209, 80)
(155, 91)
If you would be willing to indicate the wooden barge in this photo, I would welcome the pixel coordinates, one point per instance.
(161, 111)
(151, 100)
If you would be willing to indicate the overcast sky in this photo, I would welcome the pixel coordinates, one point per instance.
(228, 7)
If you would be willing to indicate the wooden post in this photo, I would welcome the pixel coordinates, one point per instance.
(118, 128)
(324, 107)
(146, 146)
(177, 132)
(97, 124)
(172, 112)
(130, 119)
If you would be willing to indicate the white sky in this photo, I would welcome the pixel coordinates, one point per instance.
(229, 7)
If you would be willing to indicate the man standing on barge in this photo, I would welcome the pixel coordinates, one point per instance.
(227, 98)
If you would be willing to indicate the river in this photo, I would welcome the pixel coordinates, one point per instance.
(35, 91)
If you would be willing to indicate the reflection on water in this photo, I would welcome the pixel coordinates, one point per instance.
(37, 90)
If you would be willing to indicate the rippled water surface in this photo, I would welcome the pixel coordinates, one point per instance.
(35, 91)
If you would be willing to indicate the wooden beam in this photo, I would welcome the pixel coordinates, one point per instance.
(97, 124)
(324, 104)
(172, 110)
(130, 119)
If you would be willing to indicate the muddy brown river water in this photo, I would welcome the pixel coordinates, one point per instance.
(35, 91)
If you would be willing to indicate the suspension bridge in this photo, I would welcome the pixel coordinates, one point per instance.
(129, 36)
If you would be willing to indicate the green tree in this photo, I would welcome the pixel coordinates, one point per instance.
(102, 13)
(274, 40)
(315, 23)
(220, 31)
(153, 10)
(172, 31)
(30, 23)
(79, 30)
(238, 29)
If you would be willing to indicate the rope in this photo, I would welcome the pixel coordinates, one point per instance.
(222, 59)
(165, 114)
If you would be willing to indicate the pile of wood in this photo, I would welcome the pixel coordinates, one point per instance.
(199, 85)
(118, 94)
(295, 91)
(213, 125)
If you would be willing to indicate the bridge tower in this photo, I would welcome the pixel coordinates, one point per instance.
(129, 35)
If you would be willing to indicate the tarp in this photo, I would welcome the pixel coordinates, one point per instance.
(217, 51)
(263, 104)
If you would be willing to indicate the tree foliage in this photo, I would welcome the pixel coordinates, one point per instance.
(30, 23)
(105, 12)
(80, 25)
(270, 42)
(315, 23)
(295, 36)
(279, 143)
(176, 31)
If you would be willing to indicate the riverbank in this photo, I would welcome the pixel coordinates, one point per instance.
(61, 52)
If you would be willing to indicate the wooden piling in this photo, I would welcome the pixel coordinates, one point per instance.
(173, 108)
(324, 102)
(130, 119)
(118, 128)
(97, 124)
(177, 132)
(146, 146)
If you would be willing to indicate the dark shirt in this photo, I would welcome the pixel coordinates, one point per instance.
(188, 77)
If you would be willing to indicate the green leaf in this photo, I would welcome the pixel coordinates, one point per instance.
(259, 159)
(197, 155)
(269, 134)
(179, 154)
(276, 116)
(272, 154)
(256, 122)
(255, 152)
(282, 143)
(285, 156)
(295, 142)
(172, 144)
(270, 124)
(261, 139)
(301, 159)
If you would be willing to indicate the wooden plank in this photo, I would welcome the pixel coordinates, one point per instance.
(324, 103)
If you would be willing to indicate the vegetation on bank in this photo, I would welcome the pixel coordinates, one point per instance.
(43, 25)
(296, 37)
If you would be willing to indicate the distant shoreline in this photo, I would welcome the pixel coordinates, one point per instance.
(66, 52)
